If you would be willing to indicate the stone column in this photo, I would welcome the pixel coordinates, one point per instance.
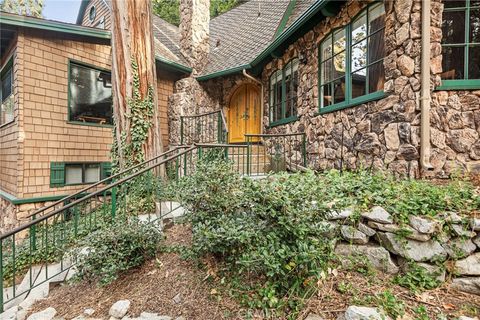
(194, 31)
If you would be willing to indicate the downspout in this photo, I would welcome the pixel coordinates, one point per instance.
(425, 95)
(261, 96)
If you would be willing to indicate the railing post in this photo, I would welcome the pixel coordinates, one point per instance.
(114, 202)
(248, 155)
(219, 127)
(1, 276)
(181, 130)
(304, 150)
(33, 235)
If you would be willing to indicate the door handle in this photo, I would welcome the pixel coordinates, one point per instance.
(245, 116)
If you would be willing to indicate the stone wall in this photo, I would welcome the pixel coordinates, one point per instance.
(384, 133)
(427, 242)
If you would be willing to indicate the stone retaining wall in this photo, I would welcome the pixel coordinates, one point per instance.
(427, 242)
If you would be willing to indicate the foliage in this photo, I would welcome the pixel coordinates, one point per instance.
(31, 8)
(124, 244)
(169, 9)
(390, 304)
(421, 313)
(260, 229)
(417, 278)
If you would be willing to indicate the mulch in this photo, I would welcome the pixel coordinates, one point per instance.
(152, 288)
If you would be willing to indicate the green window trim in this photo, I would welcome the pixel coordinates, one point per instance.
(367, 66)
(4, 70)
(278, 82)
(58, 172)
(466, 83)
(69, 113)
(469, 84)
(354, 102)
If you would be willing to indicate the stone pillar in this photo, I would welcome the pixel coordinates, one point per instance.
(194, 31)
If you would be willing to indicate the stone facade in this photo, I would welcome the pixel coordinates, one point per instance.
(381, 134)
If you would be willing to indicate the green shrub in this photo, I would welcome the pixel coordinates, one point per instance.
(417, 278)
(124, 244)
(265, 229)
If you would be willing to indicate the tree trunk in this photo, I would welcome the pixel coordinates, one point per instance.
(134, 83)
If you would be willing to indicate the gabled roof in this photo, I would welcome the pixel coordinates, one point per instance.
(239, 35)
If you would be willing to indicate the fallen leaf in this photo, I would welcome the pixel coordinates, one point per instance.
(448, 306)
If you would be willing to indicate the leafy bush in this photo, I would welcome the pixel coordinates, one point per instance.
(124, 244)
(265, 229)
(417, 278)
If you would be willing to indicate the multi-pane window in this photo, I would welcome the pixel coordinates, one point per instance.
(90, 95)
(6, 95)
(461, 40)
(351, 59)
(62, 173)
(283, 93)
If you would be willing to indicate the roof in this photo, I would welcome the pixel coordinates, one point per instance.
(162, 52)
(239, 35)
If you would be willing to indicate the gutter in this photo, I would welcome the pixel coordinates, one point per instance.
(29, 22)
(224, 72)
(173, 65)
(425, 94)
(261, 96)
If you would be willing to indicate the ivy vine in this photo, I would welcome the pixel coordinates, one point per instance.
(141, 112)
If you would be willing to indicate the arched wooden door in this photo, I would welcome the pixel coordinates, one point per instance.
(244, 113)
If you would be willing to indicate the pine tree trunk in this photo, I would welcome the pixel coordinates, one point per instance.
(133, 45)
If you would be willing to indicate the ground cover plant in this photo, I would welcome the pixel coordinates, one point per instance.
(268, 234)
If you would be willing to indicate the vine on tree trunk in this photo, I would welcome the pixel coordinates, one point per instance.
(140, 115)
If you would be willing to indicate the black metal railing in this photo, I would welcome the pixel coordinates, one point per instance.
(210, 127)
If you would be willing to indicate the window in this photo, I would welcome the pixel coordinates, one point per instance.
(283, 93)
(92, 13)
(90, 95)
(351, 61)
(461, 42)
(62, 174)
(6, 94)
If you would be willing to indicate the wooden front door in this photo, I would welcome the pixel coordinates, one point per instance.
(244, 113)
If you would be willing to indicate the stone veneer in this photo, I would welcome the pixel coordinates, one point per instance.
(380, 134)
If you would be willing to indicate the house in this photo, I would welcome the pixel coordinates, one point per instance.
(351, 75)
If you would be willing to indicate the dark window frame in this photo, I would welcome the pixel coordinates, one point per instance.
(69, 113)
(276, 106)
(7, 68)
(348, 99)
(466, 83)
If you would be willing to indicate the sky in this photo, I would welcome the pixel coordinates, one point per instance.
(61, 10)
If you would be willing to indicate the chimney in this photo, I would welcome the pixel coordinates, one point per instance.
(194, 31)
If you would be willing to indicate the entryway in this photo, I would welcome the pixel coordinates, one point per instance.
(244, 113)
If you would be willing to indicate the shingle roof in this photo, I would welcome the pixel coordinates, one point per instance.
(167, 43)
(300, 7)
(239, 35)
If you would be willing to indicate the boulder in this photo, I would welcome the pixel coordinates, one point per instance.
(353, 235)
(89, 311)
(412, 249)
(340, 215)
(46, 314)
(153, 316)
(467, 318)
(364, 313)
(476, 240)
(470, 285)
(461, 231)
(459, 247)
(119, 309)
(424, 225)
(178, 298)
(378, 214)
(407, 231)
(475, 224)
(313, 316)
(328, 229)
(470, 266)
(366, 229)
(450, 217)
(378, 256)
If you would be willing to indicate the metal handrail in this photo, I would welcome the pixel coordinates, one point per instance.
(273, 134)
(202, 114)
(93, 194)
(82, 191)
